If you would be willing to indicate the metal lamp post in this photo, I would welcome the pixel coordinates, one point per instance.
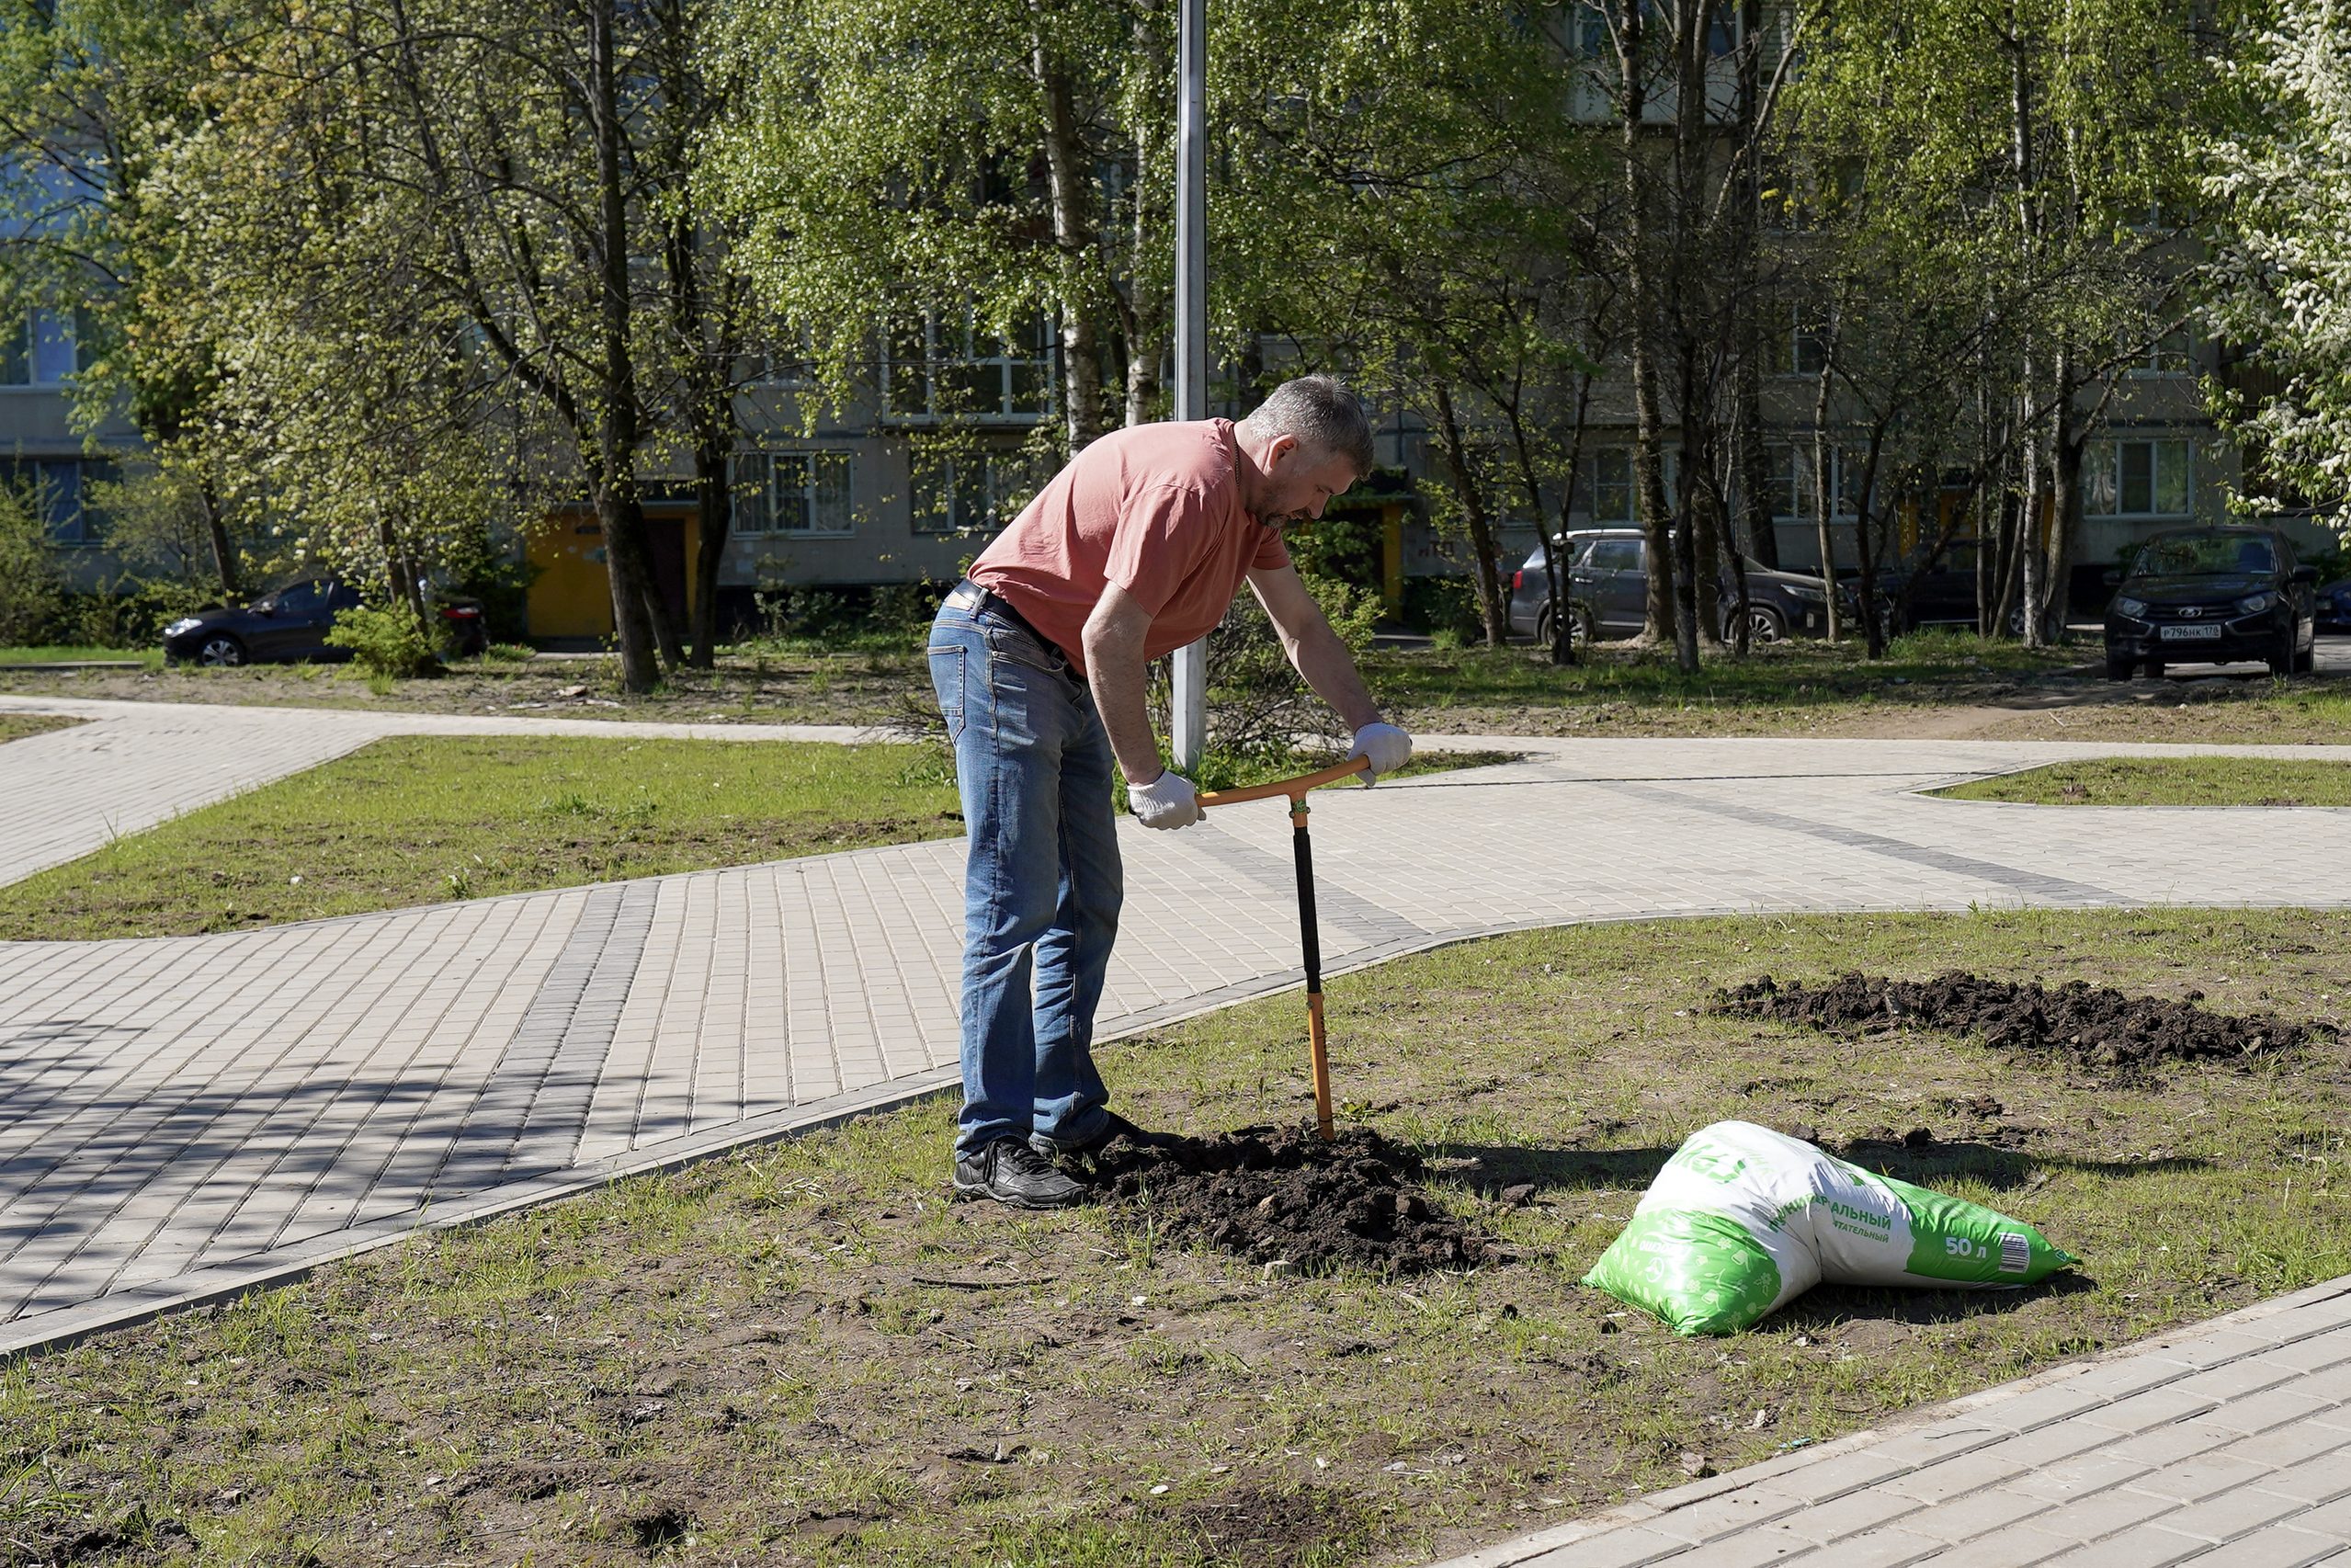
(1190, 718)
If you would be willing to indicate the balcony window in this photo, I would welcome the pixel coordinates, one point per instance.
(1793, 493)
(805, 493)
(934, 370)
(54, 488)
(2136, 479)
(973, 494)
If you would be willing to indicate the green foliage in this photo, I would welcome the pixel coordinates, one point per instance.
(1445, 608)
(30, 594)
(2282, 179)
(387, 644)
(130, 613)
(1259, 708)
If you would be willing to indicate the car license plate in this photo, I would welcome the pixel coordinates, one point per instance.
(2191, 635)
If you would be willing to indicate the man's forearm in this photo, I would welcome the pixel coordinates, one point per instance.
(1114, 670)
(1330, 670)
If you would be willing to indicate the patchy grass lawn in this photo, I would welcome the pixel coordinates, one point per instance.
(58, 654)
(802, 1355)
(17, 726)
(419, 819)
(2169, 781)
(778, 684)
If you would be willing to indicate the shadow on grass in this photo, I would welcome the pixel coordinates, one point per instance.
(1620, 1170)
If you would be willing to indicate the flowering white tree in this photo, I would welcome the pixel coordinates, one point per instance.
(2281, 261)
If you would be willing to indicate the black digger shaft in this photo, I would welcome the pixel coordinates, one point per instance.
(1302, 850)
(1317, 1044)
(1310, 937)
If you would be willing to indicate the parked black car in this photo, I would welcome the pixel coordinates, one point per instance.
(2215, 596)
(1940, 592)
(2332, 608)
(1609, 586)
(292, 622)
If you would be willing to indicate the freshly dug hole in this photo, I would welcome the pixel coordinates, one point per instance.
(2093, 1026)
(1284, 1193)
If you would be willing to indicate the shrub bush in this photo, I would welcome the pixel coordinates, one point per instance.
(1443, 608)
(386, 644)
(30, 593)
(1260, 711)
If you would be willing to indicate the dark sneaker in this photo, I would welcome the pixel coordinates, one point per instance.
(1113, 1126)
(1012, 1173)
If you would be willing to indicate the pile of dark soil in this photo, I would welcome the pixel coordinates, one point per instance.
(2093, 1026)
(1284, 1194)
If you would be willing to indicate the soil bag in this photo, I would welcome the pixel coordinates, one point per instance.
(1743, 1221)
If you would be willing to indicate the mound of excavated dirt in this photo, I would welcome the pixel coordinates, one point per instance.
(1284, 1194)
(2093, 1026)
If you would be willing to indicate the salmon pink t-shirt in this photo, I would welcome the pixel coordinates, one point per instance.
(1154, 508)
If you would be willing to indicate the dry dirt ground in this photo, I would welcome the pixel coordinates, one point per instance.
(805, 1355)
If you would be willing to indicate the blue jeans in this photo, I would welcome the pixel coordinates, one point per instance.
(1042, 885)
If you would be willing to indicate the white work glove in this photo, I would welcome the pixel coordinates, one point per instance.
(1386, 747)
(1167, 800)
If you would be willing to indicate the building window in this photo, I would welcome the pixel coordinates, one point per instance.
(1793, 495)
(2168, 356)
(789, 363)
(933, 370)
(1798, 344)
(2135, 479)
(978, 493)
(792, 493)
(55, 488)
(1605, 488)
(39, 348)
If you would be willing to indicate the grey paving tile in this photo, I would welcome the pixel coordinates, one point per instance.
(2281, 1548)
(2142, 1546)
(2229, 1514)
(2012, 1546)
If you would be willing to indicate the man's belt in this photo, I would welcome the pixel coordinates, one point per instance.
(973, 599)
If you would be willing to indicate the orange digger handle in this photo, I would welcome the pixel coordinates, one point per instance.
(1294, 788)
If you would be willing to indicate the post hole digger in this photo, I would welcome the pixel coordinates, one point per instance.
(1309, 937)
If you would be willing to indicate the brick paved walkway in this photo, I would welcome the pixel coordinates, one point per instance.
(187, 1116)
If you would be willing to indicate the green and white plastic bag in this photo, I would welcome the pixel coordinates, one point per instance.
(1743, 1221)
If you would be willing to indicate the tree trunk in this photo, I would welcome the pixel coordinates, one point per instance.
(224, 554)
(1558, 571)
(1692, 542)
(1754, 460)
(1454, 449)
(1145, 313)
(2065, 517)
(2029, 548)
(1068, 178)
(1695, 148)
(1641, 288)
(714, 514)
(1873, 626)
(627, 560)
(1824, 482)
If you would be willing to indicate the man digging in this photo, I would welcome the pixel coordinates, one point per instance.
(1131, 551)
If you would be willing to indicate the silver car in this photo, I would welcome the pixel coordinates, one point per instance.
(1609, 592)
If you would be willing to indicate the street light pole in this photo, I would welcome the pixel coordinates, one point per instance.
(1189, 717)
